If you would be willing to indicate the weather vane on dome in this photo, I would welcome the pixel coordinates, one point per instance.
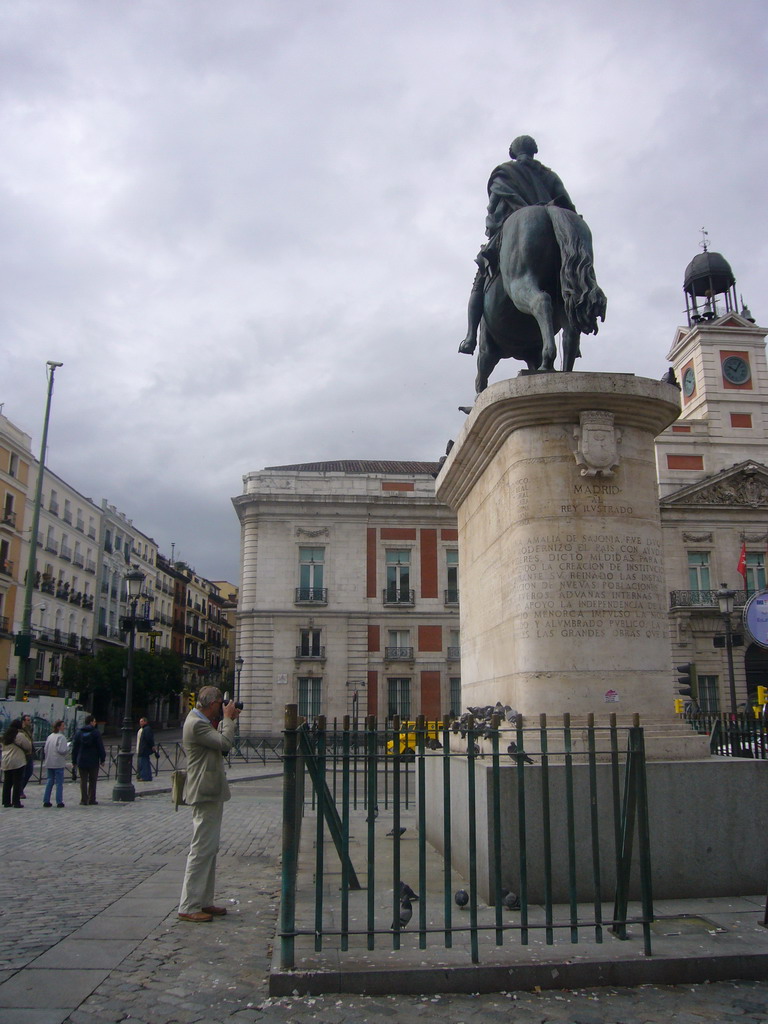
(704, 243)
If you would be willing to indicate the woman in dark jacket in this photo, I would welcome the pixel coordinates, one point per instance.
(87, 754)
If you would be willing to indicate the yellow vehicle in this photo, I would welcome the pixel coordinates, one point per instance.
(406, 743)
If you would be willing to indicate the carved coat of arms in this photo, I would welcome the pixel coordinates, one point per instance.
(596, 443)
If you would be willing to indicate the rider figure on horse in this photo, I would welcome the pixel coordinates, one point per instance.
(521, 181)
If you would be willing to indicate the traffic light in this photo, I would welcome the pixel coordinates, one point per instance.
(686, 680)
(191, 700)
(25, 695)
(762, 695)
(679, 708)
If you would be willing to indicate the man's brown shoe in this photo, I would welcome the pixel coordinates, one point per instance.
(201, 915)
(215, 911)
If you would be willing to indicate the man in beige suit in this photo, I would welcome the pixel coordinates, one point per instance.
(206, 790)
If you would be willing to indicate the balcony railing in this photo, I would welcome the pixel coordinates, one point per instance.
(9, 517)
(80, 525)
(52, 546)
(451, 597)
(6, 567)
(66, 552)
(704, 599)
(311, 595)
(90, 566)
(67, 516)
(398, 596)
(310, 653)
(48, 587)
(53, 508)
(454, 654)
(78, 560)
(398, 653)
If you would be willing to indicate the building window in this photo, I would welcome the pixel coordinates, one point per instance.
(452, 575)
(709, 694)
(454, 645)
(455, 682)
(13, 465)
(399, 645)
(399, 698)
(310, 689)
(310, 646)
(399, 577)
(755, 577)
(311, 574)
(698, 576)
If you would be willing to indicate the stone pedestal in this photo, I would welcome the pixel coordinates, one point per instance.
(563, 602)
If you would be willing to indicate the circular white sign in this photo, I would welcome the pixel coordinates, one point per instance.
(756, 618)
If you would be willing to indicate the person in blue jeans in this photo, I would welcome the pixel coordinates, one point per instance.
(54, 759)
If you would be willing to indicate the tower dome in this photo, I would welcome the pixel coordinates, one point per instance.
(708, 275)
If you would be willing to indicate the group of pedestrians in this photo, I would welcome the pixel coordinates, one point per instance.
(86, 754)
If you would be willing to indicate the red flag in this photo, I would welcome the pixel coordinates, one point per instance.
(742, 566)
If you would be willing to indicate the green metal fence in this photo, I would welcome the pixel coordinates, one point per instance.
(546, 822)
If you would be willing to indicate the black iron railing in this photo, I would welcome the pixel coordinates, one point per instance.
(311, 595)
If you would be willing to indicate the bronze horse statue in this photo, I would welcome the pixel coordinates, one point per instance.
(546, 283)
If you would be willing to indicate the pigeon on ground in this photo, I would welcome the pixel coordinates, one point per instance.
(510, 900)
(512, 751)
(392, 832)
(461, 898)
(406, 913)
(407, 893)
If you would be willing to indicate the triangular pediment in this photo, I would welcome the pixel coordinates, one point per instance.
(744, 485)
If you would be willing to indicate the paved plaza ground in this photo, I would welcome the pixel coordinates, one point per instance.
(89, 932)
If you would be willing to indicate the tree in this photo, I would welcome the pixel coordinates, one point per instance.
(101, 677)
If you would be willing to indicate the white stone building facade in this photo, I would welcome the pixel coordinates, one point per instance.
(349, 593)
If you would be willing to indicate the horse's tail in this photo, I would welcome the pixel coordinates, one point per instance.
(583, 299)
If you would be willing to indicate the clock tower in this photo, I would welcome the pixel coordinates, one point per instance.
(719, 361)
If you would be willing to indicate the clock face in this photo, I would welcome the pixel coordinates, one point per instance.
(735, 370)
(689, 381)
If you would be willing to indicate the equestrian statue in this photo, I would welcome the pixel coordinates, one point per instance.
(535, 274)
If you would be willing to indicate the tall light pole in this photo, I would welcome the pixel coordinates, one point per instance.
(725, 598)
(23, 648)
(239, 662)
(124, 790)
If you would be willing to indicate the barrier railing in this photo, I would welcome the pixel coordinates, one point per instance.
(171, 756)
(579, 803)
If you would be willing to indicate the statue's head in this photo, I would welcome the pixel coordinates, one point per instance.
(523, 145)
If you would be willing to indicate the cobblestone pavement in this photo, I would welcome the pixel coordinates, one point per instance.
(62, 868)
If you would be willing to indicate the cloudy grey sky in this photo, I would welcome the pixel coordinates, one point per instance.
(247, 227)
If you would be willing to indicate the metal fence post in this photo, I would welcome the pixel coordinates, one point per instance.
(290, 843)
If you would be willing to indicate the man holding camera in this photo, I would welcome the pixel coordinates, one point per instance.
(206, 791)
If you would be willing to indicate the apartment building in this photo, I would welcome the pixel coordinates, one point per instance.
(349, 600)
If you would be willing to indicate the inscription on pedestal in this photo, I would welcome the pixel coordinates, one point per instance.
(592, 584)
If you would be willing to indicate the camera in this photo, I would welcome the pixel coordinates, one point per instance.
(238, 703)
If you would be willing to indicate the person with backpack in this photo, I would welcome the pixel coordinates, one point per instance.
(87, 754)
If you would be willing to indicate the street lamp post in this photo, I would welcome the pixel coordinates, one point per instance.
(725, 598)
(124, 790)
(239, 662)
(25, 673)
